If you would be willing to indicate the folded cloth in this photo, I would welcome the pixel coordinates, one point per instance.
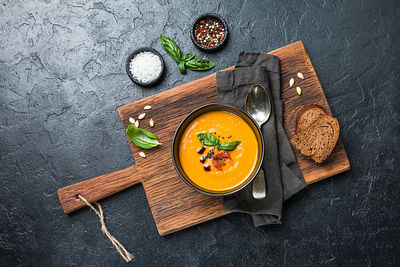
(282, 174)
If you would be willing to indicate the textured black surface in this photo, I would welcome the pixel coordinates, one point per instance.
(62, 78)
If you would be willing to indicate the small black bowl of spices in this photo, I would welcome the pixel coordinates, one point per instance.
(209, 32)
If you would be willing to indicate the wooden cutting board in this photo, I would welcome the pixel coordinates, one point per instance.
(174, 204)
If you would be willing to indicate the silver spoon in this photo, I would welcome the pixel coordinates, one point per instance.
(258, 105)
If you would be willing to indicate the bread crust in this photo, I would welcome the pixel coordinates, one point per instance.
(335, 139)
(319, 158)
(304, 110)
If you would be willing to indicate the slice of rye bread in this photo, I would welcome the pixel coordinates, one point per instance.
(318, 140)
(307, 116)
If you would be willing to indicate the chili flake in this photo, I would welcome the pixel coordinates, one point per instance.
(219, 159)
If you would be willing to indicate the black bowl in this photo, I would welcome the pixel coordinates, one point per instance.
(196, 113)
(157, 79)
(209, 49)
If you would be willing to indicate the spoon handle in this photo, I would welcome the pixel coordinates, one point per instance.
(259, 188)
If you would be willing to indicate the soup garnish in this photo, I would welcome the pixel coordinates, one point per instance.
(218, 160)
(207, 167)
(228, 160)
(208, 139)
(201, 150)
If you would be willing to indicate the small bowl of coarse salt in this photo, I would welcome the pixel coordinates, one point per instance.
(145, 66)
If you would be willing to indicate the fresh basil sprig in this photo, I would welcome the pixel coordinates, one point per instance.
(207, 139)
(141, 137)
(171, 47)
(188, 60)
(188, 57)
(182, 67)
(228, 146)
(199, 64)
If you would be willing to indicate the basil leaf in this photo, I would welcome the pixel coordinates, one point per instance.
(171, 47)
(228, 146)
(187, 61)
(188, 57)
(141, 137)
(182, 67)
(207, 139)
(199, 64)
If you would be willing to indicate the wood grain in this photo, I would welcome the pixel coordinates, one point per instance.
(175, 205)
(312, 93)
(98, 188)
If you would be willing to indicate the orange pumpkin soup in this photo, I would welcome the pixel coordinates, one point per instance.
(210, 168)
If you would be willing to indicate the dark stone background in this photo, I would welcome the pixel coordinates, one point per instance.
(62, 78)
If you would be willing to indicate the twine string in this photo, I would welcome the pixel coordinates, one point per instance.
(120, 248)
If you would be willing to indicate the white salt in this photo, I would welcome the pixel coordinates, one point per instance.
(145, 66)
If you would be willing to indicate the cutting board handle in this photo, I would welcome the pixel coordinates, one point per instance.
(96, 188)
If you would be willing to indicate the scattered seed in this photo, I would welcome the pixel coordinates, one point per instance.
(137, 123)
(141, 116)
(147, 107)
(300, 75)
(142, 154)
(132, 120)
(291, 82)
(298, 89)
(151, 122)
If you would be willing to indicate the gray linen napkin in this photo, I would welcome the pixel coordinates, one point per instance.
(282, 174)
